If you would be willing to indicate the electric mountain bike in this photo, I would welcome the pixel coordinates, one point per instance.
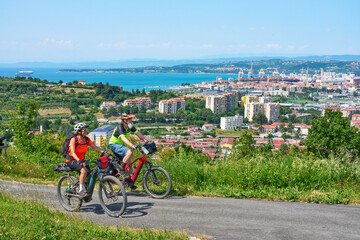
(112, 194)
(156, 181)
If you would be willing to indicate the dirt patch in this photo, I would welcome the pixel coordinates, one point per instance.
(77, 90)
(50, 111)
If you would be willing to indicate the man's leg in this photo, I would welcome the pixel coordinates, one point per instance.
(127, 160)
(124, 152)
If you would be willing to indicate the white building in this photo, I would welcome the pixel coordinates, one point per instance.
(171, 105)
(270, 110)
(277, 93)
(230, 123)
(101, 135)
(208, 127)
(222, 103)
(141, 102)
(265, 99)
(108, 104)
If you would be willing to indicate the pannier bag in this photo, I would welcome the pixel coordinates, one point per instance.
(62, 167)
(150, 147)
(102, 162)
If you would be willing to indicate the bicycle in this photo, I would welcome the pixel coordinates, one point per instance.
(156, 181)
(112, 194)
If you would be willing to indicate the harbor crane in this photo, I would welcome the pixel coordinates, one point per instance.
(240, 73)
(261, 73)
(275, 72)
(250, 71)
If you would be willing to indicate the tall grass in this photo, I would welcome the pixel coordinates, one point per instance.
(265, 176)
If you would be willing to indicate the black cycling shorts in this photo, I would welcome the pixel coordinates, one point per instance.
(77, 165)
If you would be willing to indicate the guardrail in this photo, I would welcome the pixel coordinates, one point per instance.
(4, 147)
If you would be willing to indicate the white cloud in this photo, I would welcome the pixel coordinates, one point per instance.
(58, 43)
(290, 47)
(252, 29)
(272, 46)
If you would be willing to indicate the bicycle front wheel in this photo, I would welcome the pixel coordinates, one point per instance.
(67, 189)
(112, 195)
(157, 182)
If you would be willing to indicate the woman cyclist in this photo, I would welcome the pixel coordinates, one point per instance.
(75, 158)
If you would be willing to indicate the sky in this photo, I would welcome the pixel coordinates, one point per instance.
(86, 30)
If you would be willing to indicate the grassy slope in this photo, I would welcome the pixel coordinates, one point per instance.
(26, 220)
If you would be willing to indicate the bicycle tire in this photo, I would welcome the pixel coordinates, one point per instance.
(157, 182)
(68, 184)
(112, 196)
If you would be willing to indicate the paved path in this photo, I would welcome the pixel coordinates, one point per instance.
(218, 217)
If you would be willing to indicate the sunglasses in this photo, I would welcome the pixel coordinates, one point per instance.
(84, 130)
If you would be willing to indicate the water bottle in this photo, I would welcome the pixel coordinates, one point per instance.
(144, 150)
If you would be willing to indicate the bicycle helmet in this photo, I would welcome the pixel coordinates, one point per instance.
(79, 126)
(127, 116)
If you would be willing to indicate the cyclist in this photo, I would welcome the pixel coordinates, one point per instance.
(76, 154)
(120, 137)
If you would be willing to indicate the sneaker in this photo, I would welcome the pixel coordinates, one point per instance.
(123, 173)
(120, 171)
(130, 184)
(83, 194)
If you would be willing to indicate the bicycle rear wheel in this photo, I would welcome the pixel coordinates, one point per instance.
(67, 189)
(112, 195)
(157, 182)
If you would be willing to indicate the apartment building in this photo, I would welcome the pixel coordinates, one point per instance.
(101, 135)
(230, 123)
(171, 105)
(108, 104)
(248, 99)
(222, 103)
(355, 120)
(141, 102)
(265, 99)
(270, 110)
(333, 109)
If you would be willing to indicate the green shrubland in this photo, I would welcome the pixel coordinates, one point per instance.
(246, 173)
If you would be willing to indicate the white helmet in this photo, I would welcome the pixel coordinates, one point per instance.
(80, 126)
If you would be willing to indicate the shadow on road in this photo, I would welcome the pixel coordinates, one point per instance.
(133, 209)
(137, 209)
(95, 208)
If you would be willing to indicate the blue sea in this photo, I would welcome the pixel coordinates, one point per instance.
(128, 81)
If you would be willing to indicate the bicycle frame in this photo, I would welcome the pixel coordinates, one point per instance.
(142, 160)
(94, 174)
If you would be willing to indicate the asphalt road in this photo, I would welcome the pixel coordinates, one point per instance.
(219, 218)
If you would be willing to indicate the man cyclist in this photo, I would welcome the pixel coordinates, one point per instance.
(76, 154)
(120, 137)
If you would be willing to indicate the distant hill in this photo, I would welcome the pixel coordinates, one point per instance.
(286, 66)
(134, 63)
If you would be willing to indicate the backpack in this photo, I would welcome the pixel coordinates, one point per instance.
(65, 148)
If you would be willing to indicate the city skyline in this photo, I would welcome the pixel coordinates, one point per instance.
(67, 31)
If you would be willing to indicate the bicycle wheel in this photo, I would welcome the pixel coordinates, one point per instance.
(157, 182)
(67, 189)
(112, 195)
